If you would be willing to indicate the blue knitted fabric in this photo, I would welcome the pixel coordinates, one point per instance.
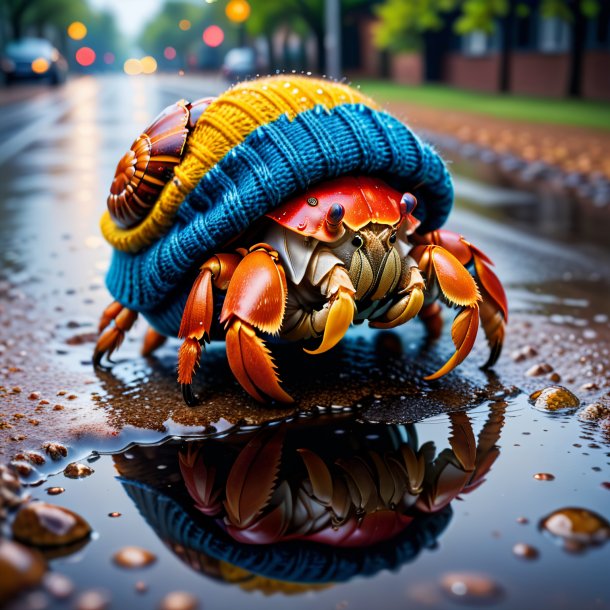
(274, 162)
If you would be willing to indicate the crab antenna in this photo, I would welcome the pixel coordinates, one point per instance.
(334, 217)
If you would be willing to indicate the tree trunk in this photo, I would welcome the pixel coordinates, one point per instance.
(507, 22)
(320, 51)
(577, 47)
(271, 56)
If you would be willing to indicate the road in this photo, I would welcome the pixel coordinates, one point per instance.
(59, 152)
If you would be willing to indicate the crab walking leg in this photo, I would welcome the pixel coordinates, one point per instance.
(457, 287)
(410, 298)
(494, 307)
(256, 300)
(197, 317)
(112, 338)
(431, 316)
(152, 341)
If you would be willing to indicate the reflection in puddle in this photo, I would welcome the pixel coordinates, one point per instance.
(315, 501)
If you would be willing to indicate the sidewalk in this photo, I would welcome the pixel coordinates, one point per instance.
(571, 149)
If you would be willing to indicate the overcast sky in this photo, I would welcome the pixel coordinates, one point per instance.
(131, 14)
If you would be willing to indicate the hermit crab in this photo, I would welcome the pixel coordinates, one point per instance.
(288, 207)
(317, 499)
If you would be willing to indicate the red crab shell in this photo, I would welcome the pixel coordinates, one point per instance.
(364, 199)
(149, 164)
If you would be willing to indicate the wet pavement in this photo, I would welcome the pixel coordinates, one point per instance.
(59, 155)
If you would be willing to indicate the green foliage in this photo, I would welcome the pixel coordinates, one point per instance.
(403, 21)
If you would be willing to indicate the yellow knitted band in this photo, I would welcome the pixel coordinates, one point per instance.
(227, 122)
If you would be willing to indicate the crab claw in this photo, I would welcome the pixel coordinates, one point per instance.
(340, 316)
(256, 299)
(112, 338)
(251, 483)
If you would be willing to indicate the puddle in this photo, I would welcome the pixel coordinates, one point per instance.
(332, 511)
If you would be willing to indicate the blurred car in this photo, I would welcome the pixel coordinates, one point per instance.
(240, 64)
(33, 59)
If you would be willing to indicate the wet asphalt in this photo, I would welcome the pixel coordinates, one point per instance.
(60, 149)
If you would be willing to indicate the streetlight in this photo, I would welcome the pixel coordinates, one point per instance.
(238, 12)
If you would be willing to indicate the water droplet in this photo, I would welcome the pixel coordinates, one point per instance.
(525, 551)
(544, 476)
(133, 557)
(179, 600)
(471, 587)
(576, 528)
(55, 491)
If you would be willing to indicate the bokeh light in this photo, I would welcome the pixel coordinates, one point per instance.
(77, 30)
(238, 10)
(40, 65)
(148, 64)
(169, 53)
(132, 66)
(184, 25)
(109, 58)
(213, 36)
(85, 56)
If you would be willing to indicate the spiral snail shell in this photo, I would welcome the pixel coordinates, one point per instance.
(149, 164)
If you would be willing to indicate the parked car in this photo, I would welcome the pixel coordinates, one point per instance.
(240, 64)
(33, 59)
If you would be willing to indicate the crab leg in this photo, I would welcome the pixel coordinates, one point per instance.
(458, 288)
(256, 300)
(493, 306)
(112, 338)
(152, 341)
(197, 317)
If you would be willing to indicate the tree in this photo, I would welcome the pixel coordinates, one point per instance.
(576, 13)
(300, 16)
(402, 23)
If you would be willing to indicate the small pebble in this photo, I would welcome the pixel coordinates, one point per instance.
(77, 471)
(523, 520)
(525, 551)
(133, 557)
(34, 396)
(43, 524)
(544, 476)
(593, 412)
(576, 528)
(20, 568)
(179, 600)
(539, 369)
(92, 600)
(141, 586)
(58, 585)
(54, 450)
(471, 588)
(55, 491)
(554, 398)
(114, 515)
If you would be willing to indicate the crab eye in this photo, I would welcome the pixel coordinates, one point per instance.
(408, 203)
(357, 241)
(392, 239)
